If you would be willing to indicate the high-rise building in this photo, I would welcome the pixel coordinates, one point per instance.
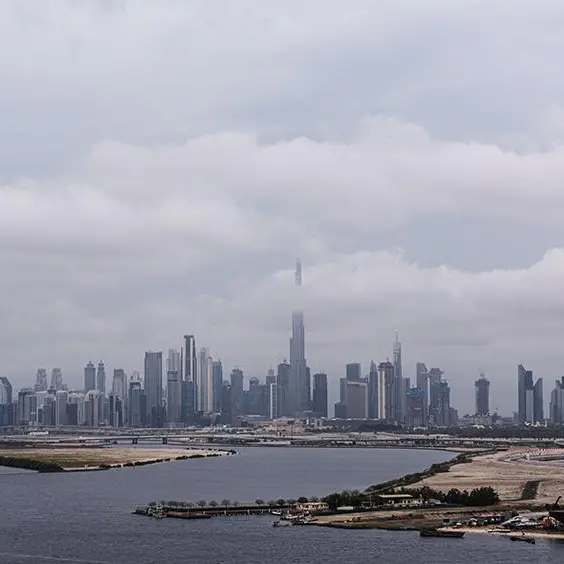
(439, 405)
(298, 397)
(119, 384)
(422, 382)
(386, 391)
(557, 402)
(373, 391)
(61, 397)
(320, 405)
(283, 390)
(530, 397)
(154, 388)
(89, 377)
(75, 408)
(353, 372)
(415, 411)
(357, 399)
(101, 378)
(188, 401)
(236, 394)
(190, 358)
(26, 406)
(482, 386)
(135, 415)
(41, 380)
(6, 400)
(399, 390)
(56, 379)
(205, 381)
(173, 386)
(92, 402)
(116, 410)
(217, 384)
(273, 402)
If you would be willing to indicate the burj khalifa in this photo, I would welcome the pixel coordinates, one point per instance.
(299, 377)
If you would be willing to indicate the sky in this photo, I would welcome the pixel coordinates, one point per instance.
(163, 164)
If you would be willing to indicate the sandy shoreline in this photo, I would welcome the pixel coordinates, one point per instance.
(77, 458)
(507, 472)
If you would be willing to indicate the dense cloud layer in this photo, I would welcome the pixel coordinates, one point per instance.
(162, 165)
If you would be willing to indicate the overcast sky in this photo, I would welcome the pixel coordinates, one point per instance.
(162, 165)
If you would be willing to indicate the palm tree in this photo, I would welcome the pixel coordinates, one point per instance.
(213, 503)
(225, 502)
(202, 503)
(259, 501)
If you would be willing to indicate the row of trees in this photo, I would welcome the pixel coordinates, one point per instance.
(355, 498)
(225, 503)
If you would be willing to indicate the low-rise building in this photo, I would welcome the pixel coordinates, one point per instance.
(399, 500)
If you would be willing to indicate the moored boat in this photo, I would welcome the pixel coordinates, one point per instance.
(523, 538)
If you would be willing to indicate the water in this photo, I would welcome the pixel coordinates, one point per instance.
(86, 517)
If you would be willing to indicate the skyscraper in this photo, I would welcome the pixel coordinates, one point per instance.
(173, 386)
(5, 401)
(298, 390)
(439, 405)
(422, 382)
(101, 379)
(119, 384)
(204, 381)
(320, 406)
(217, 384)
(154, 387)
(189, 390)
(236, 394)
(353, 371)
(56, 379)
(283, 390)
(482, 386)
(134, 416)
(386, 391)
(357, 399)
(399, 391)
(41, 380)
(557, 402)
(373, 391)
(530, 396)
(89, 377)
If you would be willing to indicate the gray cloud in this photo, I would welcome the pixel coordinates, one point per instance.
(161, 164)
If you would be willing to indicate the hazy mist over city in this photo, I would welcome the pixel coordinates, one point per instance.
(163, 164)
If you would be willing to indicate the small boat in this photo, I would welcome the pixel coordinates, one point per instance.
(282, 524)
(274, 512)
(447, 533)
(523, 538)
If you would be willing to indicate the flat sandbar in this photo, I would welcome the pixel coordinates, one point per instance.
(95, 457)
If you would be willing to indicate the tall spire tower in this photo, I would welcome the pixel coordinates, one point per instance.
(298, 385)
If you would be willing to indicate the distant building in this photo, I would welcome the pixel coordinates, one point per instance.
(530, 397)
(173, 386)
(61, 398)
(320, 406)
(217, 384)
(353, 372)
(26, 406)
(89, 377)
(273, 402)
(340, 410)
(154, 388)
(41, 380)
(482, 386)
(422, 382)
(116, 410)
(92, 413)
(236, 394)
(357, 399)
(101, 378)
(415, 407)
(119, 384)
(373, 391)
(557, 402)
(136, 414)
(439, 404)
(56, 379)
(5, 402)
(386, 391)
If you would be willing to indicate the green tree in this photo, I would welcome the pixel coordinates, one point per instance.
(213, 503)
(202, 503)
(281, 502)
(259, 501)
(189, 505)
(313, 499)
(235, 503)
(272, 502)
(225, 502)
(302, 499)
